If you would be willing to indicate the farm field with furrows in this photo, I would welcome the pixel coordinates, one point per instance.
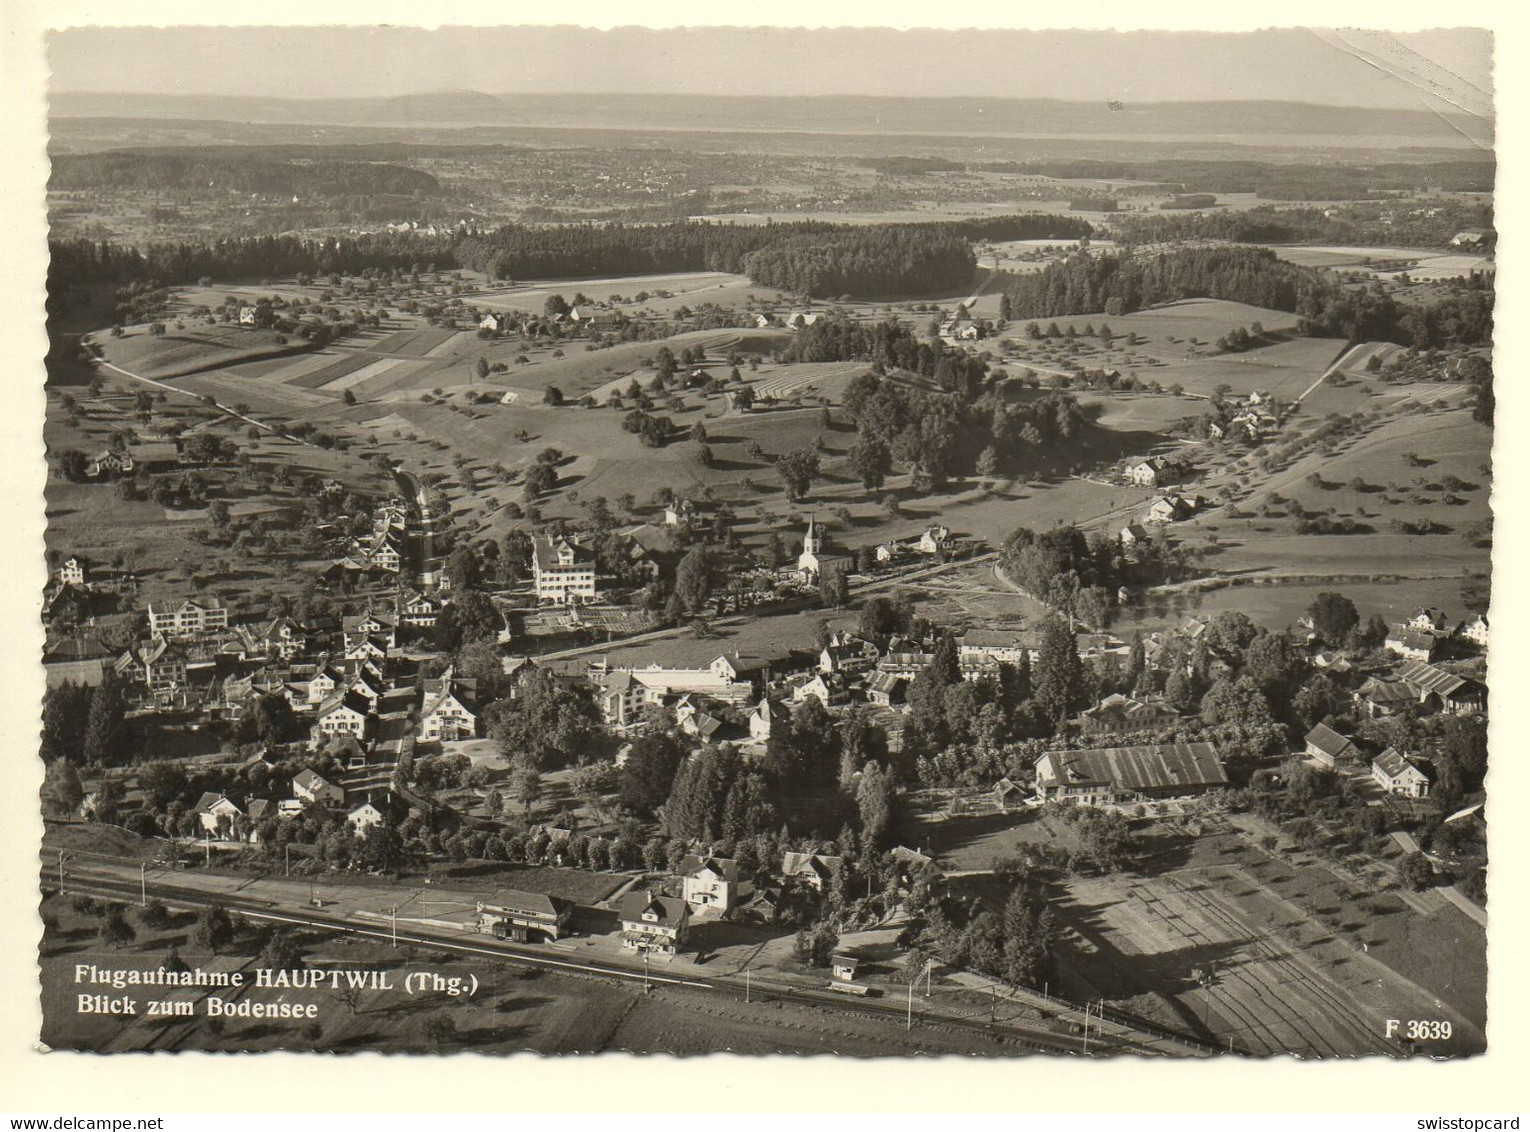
(195, 348)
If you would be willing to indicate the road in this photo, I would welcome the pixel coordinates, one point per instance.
(113, 879)
(101, 361)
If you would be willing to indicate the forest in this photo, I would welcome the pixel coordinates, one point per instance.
(1356, 225)
(871, 259)
(1327, 307)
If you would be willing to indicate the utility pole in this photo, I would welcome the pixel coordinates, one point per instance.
(61, 872)
(1086, 1029)
(143, 883)
(645, 971)
(287, 859)
(910, 1024)
(746, 984)
(393, 913)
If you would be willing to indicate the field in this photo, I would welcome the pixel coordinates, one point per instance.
(179, 352)
(1300, 959)
(1424, 265)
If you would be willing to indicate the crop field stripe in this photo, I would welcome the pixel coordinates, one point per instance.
(440, 348)
(356, 377)
(336, 369)
(300, 366)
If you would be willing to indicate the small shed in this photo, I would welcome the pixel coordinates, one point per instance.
(844, 967)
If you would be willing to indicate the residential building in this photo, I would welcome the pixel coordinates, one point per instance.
(652, 923)
(1476, 630)
(191, 617)
(562, 571)
(1129, 774)
(887, 690)
(74, 571)
(217, 815)
(991, 646)
(1412, 644)
(312, 788)
(448, 715)
(1438, 690)
(1397, 774)
(1123, 713)
(813, 870)
(710, 882)
(1330, 748)
(766, 717)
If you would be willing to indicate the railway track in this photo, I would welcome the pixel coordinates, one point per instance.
(91, 880)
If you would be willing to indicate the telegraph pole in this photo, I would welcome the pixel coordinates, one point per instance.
(910, 1024)
(143, 883)
(61, 872)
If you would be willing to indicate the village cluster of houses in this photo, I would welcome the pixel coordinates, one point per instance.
(365, 801)
(1430, 634)
(381, 553)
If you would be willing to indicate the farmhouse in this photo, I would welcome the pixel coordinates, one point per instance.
(562, 571)
(1412, 644)
(1476, 631)
(886, 690)
(526, 917)
(814, 870)
(652, 923)
(1396, 774)
(766, 717)
(1330, 748)
(1378, 698)
(1129, 774)
(1151, 471)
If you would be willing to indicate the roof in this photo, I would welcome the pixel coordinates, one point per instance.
(1412, 638)
(309, 779)
(1128, 710)
(992, 638)
(671, 909)
(514, 900)
(547, 554)
(1329, 741)
(1429, 679)
(87, 672)
(795, 864)
(1394, 764)
(154, 453)
(209, 800)
(1158, 767)
(725, 868)
(1380, 691)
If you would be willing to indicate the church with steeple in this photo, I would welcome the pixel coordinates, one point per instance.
(812, 561)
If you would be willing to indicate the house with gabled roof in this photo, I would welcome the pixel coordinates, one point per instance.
(1117, 712)
(191, 617)
(344, 713)
(1412, 644)
(1395, 773)
(814, 870)
(709, 882)
(217, 814)
(766, 717)
(448, 714)
(311, 787)
(652, 923)
(562, 571)
(1328, 747)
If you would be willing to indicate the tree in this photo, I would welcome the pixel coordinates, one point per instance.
(213, 930)
(693, 578)
(870, 459)
(1416, 872)
(833, 588)
(797, 469)
(104, 726)
(72, 464)
(874, 803)
(280, 951)
(1060, 685)
(114, 929)
(1334, 617)
(550, 722)
(62, 790)
(816, 948)
(649, 772)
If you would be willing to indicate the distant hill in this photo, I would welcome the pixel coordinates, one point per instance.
(1250, 121)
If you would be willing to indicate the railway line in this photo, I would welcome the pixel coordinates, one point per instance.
(97, 875)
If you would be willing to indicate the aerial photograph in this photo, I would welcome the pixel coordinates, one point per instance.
(767, 540)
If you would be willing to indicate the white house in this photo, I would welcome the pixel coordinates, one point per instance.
(765, 718)
(562, 571)
(446, 716)
(188, 619)
(73, 571)
(313, 788)
(653, 924)
(217, 814)
(710, 882)
(1396, 774)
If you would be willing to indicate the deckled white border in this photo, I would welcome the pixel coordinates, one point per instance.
(738, 1087)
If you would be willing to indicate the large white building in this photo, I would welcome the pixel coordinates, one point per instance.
(187, 619)
(562, 571)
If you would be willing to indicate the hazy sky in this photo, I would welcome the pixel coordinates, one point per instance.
(1349, 68)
